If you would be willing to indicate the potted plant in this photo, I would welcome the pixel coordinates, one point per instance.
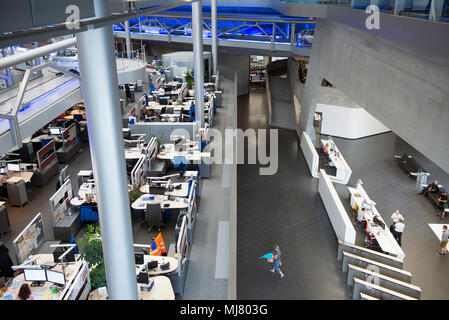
(134, 194)
(189, 79)
(92, 252)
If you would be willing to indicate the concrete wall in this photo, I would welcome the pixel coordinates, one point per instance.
(240, 63)
(404, 87)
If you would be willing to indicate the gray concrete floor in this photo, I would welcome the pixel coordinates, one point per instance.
(215, 205)
(286, 209)
(283, 209)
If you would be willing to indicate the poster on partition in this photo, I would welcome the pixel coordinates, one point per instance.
(29, 239)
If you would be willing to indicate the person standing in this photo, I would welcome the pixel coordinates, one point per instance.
(443, 242)
(398, 230)
(396, 217)
(277, 261)
(442, 204)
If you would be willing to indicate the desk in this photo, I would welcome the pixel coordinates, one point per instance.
(86, 188)
(194, 157)
(343, 170)
(162, 290)
(176, 192)
(42, 293)
(383, 235)
(437, 228)
(73, 113)
(67, 226)
(161, 260)
(133, 154)
(178, 203)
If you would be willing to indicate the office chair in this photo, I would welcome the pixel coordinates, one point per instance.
(153, 216)
(169, 110)
(164, 110)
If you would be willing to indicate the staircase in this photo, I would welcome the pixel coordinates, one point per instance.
(281, 109)
(375, 276)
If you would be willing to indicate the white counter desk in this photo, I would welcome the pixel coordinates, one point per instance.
(176, 192)
(178, 203)
(161, 260)
(343, 170)
(162, 290)
(383, 235)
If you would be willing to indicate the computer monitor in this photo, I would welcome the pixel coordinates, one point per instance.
(69, 257)
(157, 190)
(35, 275)
(13, 167)
(54, 130)
(367, 206)
(143, 277)
(139, 257)
(2, 171)
(379, 222)
(55, 277)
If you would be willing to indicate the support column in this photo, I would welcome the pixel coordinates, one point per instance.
(436, 10)
(214, 37)
(292, 36)
(37, 61)
(129, 49)
(99, 87)
(198, 62)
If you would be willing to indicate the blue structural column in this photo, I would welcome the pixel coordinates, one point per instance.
(197, 26)
(99, 87)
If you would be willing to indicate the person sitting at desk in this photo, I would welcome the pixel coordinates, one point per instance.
(88, 201)
(361, 215)
(433, 187)
(442, 204)
(24, 293)
(326, 149)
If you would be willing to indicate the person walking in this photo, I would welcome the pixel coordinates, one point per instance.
(443, 242)
(398, 230)
(277, 261)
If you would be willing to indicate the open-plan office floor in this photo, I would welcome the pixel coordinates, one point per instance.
(286, 209)
(207, 255)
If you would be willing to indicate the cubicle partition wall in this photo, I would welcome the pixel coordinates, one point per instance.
(46, 156)
(165, 129)
(29, 239)
(192, 209)
(335, 210)
(310, 154)
(69, 136)
(182, 91)
(178, 279)
(70, 145)
(47, 163)
(60, 201)
(151, 152)
(78, 286)
(139, 173)
(157, 81)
